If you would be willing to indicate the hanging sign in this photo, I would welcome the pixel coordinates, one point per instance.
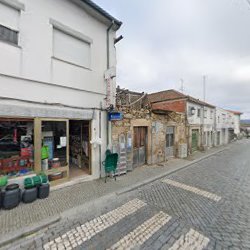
(115, 116)
(109, 76)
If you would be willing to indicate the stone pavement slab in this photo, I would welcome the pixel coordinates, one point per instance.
(62, 200)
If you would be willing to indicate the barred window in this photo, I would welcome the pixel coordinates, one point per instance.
(8, 35)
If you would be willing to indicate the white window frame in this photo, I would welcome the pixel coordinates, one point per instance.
(14, 4)
(75, 34)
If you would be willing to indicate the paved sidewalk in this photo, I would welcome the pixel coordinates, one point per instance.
(62, 200)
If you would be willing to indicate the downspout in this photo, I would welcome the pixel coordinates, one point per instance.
(108, 30)
(108, 66)
(187, 131)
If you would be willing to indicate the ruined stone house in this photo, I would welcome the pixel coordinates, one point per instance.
(199, 116)
(145, 135)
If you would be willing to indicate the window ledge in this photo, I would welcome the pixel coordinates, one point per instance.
(9, 43)
(74, 64)
(14, 4)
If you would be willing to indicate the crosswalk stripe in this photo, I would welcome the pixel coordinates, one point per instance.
(195, 190)
(80, 234)
(142, 233)
(192, 240)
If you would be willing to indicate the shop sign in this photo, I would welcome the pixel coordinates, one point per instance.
(115, 116)
(110, 86)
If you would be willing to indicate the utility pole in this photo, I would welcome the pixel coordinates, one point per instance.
(204, 88)
(182, 86)
(203, 113)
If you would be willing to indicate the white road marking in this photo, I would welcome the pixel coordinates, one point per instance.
(195, 190)
(192, 240)
(142, 233)
(80, 234)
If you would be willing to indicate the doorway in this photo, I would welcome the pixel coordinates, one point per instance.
(218, 138)
(140, 146)
(79, 148)
(170, 142)
(195, 139)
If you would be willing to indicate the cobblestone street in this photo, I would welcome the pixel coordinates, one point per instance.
(204, 206)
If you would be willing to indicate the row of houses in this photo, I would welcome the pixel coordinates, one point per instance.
(59, 108)
(168, 124)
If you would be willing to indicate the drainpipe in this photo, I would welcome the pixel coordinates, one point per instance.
(108, 30)
(109, 129)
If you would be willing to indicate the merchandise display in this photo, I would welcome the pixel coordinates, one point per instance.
(29, 195)
(11, 198)
(16, 147)
(43, 191)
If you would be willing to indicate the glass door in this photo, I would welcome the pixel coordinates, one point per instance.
(52, 148)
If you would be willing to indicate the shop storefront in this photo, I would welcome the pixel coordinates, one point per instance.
(60, 148)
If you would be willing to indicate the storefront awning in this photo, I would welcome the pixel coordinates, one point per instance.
(32, 110)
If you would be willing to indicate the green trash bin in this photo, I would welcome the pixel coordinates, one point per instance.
(110, 164)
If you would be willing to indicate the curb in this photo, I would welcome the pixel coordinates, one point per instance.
(133, 187)
(27, 231)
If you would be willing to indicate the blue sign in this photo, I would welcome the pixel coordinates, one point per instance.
(115, 116)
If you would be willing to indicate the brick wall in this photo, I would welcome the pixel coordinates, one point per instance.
(174, 105)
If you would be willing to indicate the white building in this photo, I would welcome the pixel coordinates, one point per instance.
(201, 117)
(236, 121)
(55, 86)
(223, 124)
(227, 126)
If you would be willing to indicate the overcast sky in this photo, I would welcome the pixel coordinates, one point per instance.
(168, 40)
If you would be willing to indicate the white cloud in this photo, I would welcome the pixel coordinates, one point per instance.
(165, 40)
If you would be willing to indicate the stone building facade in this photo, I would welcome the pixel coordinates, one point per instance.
(145, 135)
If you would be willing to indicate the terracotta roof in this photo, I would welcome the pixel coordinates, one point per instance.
(172, 94)
(235, 112)
(192, 99)
(165, 95)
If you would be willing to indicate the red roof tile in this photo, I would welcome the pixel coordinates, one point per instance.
(173, 95)
(235, 112)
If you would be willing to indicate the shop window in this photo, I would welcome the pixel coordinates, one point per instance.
(16, 147)
(54, 145)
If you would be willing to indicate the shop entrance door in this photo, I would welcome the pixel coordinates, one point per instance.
(170, 142)
(140, 146)
(79, 148)
(195, 138)
(54, 151)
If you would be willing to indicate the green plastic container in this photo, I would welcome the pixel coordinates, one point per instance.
(3, 181)
(28, 183)
(43, 177)
(37, 180)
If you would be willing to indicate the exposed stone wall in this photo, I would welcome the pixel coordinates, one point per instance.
(157, 126)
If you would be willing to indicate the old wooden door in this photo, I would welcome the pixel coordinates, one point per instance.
(140, 146)
(170, 142)
(195, 139)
